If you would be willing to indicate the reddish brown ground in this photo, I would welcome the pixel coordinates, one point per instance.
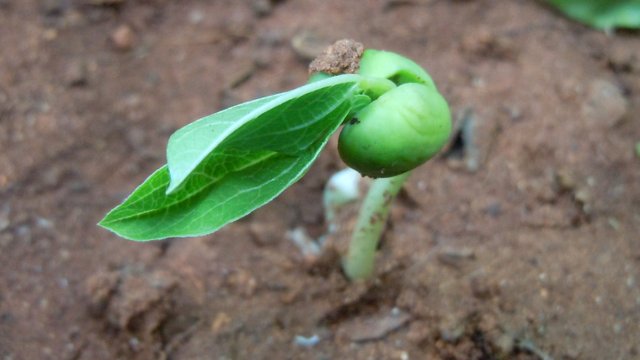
(534, 252)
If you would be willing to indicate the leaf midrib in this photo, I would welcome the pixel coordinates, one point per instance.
(272, 104)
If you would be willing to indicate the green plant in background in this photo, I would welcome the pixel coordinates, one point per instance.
(224, 166)
(602, 14)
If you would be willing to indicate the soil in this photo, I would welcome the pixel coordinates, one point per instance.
(519, 242)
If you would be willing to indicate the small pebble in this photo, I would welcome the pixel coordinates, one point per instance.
(455, 257)
(374, 327)
(617, 328)
(50, 34)
(261, 7)
(565, 180)
(631, 282)
(196, 16)
(75, 74)
(306, 341)
(123, 38)
(219, 323)
(606, 103)
(243, 282)
(583, 197)
(505, 343)
(134, 343)
(494, 209)
(614, 223)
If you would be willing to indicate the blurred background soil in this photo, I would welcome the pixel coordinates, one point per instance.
(519, 242)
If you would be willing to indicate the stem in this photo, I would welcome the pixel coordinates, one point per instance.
(358, 264)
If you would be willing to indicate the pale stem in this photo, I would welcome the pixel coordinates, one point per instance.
(359, 261)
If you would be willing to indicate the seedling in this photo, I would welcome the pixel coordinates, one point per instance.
(224, 166)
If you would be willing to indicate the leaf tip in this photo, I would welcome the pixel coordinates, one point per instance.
(111, 225)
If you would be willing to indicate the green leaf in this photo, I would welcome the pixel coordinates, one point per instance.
(192, 214)
(151, 196)
(287, 123)
(227, 183)
(602, 14)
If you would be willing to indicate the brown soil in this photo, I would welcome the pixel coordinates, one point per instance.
(520, 242)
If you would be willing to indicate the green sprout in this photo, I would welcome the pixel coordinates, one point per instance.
(224, 166)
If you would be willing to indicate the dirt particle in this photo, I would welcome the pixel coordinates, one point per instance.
(566, 180)
(141, 296)
(605, 103)
(123, 38)
(493, 209)
(196, 16)
(76, 74)
(584, 200)
(242, 282)
(50, 34)
(343, 57)
(99, 288)
(130, 301)
(373, 327)
(455, 257)
(261, 7)
(504, 343)
(219, 323)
